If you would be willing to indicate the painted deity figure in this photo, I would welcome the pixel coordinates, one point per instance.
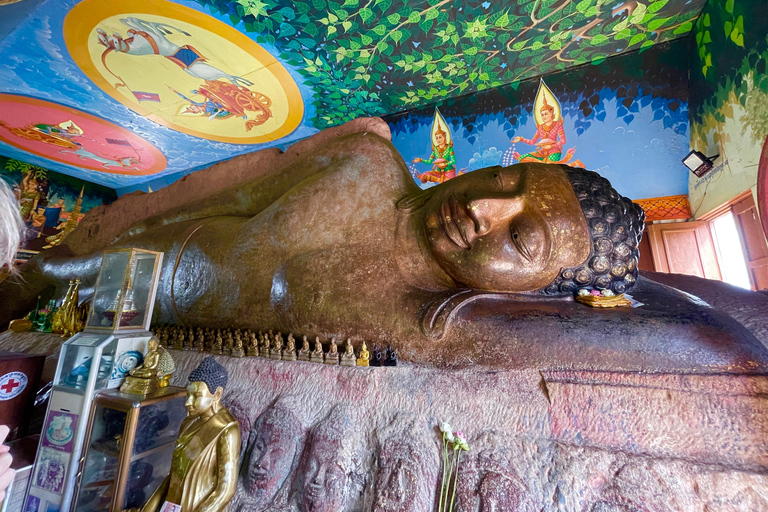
(443, 158)
(549, 138)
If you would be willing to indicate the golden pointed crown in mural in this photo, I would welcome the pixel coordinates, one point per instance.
(545, 98)
(440, 126)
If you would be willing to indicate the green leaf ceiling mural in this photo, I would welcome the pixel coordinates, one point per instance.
(381, 56)
(86, 94)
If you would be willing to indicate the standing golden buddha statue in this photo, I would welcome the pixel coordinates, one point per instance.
(204, 465)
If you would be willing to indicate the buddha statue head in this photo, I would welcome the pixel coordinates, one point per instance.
(327, 470)
(205, 388)
(529, 227)
(273, 450)
(408, 467)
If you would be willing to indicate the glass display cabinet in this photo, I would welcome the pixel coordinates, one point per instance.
(125, 290)
(128, 446)
(113, 342)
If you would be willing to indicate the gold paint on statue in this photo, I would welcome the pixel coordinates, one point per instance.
(144, 379)
(304, 352)
(365, 356)
(317, 355)
(204, 465)
(332, 357)
(277, 350)
(289, 353)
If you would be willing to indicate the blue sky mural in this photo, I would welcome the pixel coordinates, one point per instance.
(40, 38)
(626, 118)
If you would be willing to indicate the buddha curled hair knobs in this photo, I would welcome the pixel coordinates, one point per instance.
(615, 226)
(212, 373)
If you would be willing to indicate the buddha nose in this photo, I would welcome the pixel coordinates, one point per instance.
(489, 211)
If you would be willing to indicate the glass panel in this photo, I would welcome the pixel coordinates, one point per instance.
(139, 288)
(105, 365)
(101, 462)
(145, 475)
(110, 283)
(75, 366)
(159, 424)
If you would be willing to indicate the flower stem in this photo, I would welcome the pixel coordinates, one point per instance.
(445, 465)
(455, 481)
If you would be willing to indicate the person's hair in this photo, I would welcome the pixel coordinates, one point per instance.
(615, 226)
(11, 226)
(212, 373)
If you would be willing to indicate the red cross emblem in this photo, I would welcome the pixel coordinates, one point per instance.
(9, 386)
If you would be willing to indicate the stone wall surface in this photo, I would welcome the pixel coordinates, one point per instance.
(341, 439)
(552, 440)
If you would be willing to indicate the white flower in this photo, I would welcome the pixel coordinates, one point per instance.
(607, 293)
(582, 292)
(445, 428)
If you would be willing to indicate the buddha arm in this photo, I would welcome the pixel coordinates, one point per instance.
(156, 500)
(228, 451)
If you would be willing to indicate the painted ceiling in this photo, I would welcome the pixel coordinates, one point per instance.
(136, 93)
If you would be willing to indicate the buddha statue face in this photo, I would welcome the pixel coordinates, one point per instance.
(403, 479)
(200, 400)
(508, 229)
(272, 454)
(325, 478)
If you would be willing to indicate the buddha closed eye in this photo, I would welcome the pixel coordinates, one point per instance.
(506, 229)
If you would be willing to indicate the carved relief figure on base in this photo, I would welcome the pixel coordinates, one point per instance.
(408, 467)
(328, 479)
(274, 448)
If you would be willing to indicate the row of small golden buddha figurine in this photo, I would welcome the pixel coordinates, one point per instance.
(247, 343)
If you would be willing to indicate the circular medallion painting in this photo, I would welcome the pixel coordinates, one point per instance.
(74, 137)
(184, 69)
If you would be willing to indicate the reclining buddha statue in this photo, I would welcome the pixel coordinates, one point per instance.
(479, 270)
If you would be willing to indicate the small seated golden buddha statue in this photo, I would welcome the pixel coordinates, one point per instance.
(304, 351)
(365, 356)
(237, 348)
(332, 357)
(144, 378)
(218, 345)
(277, 349)
(348, 357)
(317, 355)
(289, 352)
(253, 345)
(229, 343)
(178, 343)
(264, 345)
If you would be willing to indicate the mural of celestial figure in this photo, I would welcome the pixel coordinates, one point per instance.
(61, 134)
(443, 158)
(66, 135)
(221, 99)
(550, 134)
(149, 38)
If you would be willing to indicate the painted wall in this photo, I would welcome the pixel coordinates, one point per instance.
(729, 98)
(626, 118)
(48, 200)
